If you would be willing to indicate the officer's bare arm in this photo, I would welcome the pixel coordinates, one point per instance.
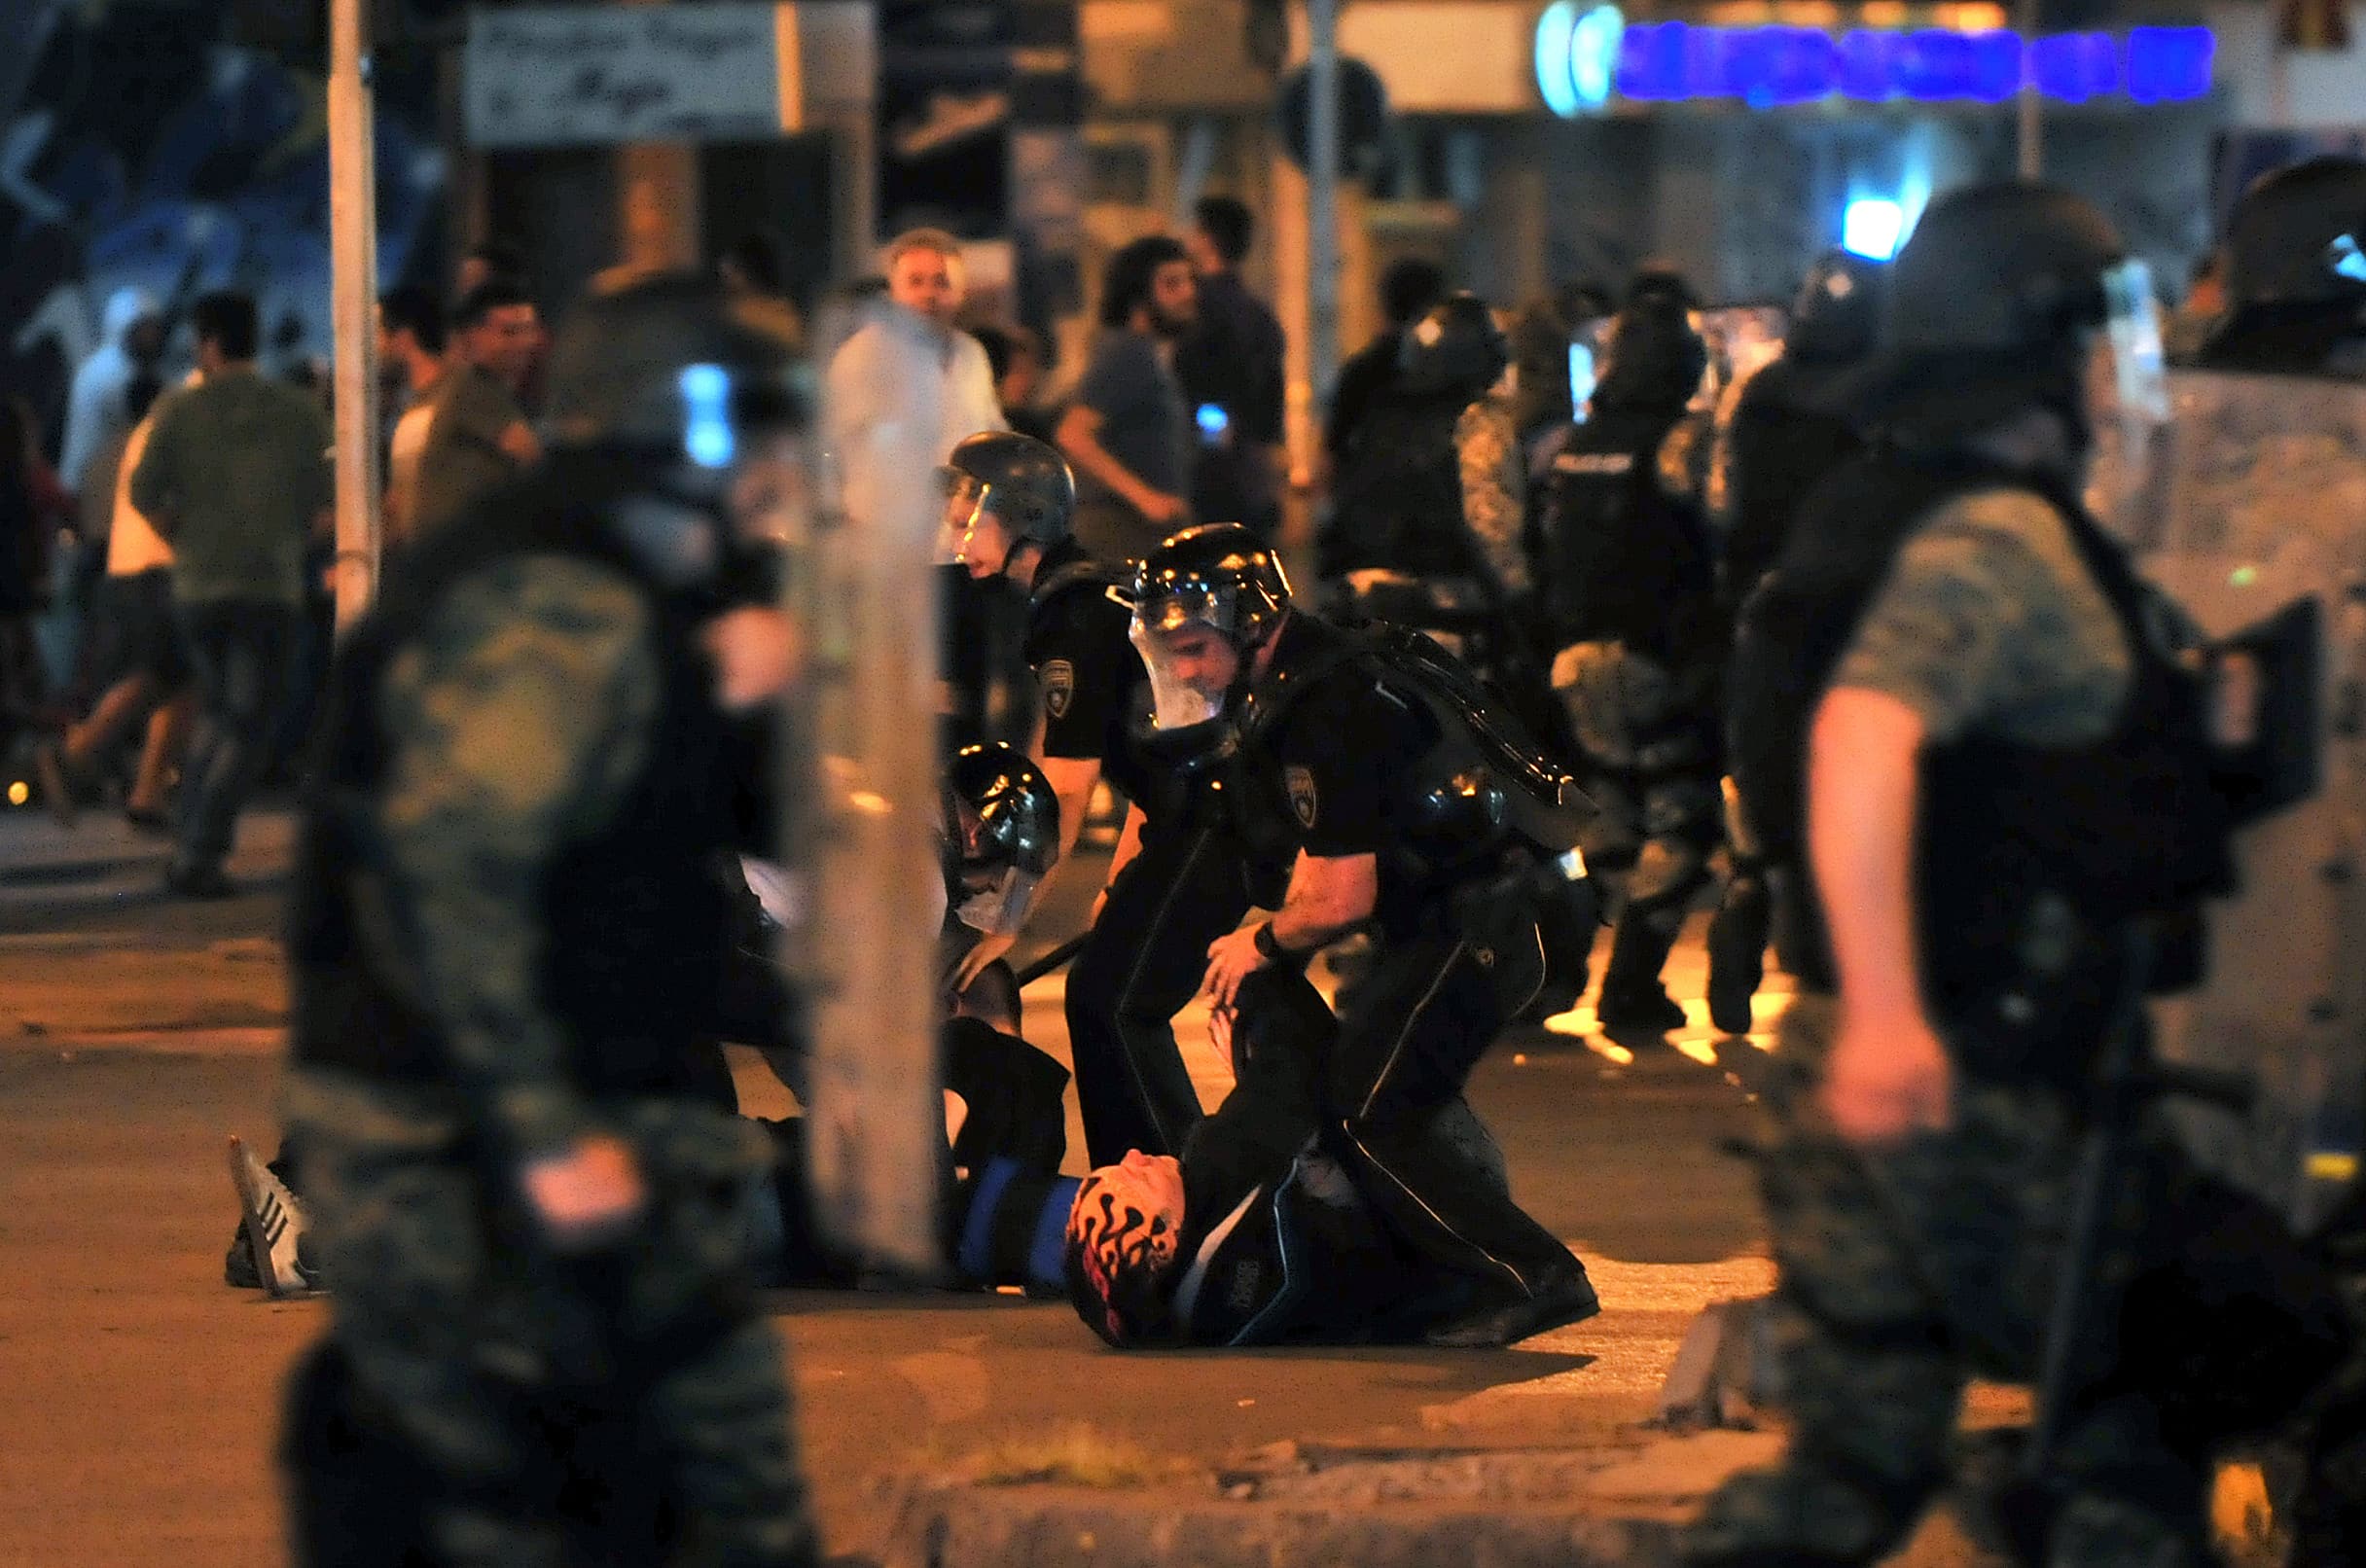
(1072, 779)
(1863, 791)
(1128, 845)
(1079, 440)
(1329, 895)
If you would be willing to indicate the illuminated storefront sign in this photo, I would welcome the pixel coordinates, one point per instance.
(1585, 57)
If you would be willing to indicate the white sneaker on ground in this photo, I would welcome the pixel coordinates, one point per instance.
(275, 1224)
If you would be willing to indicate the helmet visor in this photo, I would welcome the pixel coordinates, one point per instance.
(1191, 659)
(996, 903)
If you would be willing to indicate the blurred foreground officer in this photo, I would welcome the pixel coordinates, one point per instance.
(530, 1204)
(1410, 807)
(1180, 878)
(2296, 274)
(2006, 795)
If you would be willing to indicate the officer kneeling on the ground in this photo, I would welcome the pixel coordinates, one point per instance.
(531, 1201)
(1181, 876)
(1414, 809)
(2009, 804)
(1003, 1198)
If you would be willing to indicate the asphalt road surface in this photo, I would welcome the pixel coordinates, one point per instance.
(138, 1395)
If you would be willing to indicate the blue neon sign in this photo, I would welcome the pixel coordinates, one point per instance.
(1577, 56)
(1769, 67)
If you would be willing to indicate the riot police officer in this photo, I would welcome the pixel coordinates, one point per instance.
(1955, 717)
(2296, 274)
(1629, 600)
(1397, 498)
(505, 919)
(1412, 809)
(1785, 437)
(1179, 878)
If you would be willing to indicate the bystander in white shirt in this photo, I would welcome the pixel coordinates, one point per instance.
(905, 389)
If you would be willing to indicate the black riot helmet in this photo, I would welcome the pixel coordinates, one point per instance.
(1008, 812)
(668, 367)
(2007, 267)
(1002, 832)
(1838, 312)
(1651, 357)
(1990, 309)
(2298, 237)
(1213, 574)
(1023, 483)
(1455, 349)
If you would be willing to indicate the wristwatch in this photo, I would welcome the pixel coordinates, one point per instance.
(1267, 946)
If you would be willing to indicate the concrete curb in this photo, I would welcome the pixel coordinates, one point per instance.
(1617, 1507)
(268, 1040)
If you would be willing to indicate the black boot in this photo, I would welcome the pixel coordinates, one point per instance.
(1562, 1297)
(1737, 954)
(1632, 999)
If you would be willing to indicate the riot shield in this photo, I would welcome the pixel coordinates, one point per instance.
(1742, 340)
(2256, 503)
(860, 804)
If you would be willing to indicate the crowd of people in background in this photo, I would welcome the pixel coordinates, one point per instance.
(1453, 416)
(165, 616)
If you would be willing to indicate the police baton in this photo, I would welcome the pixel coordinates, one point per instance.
(1053, 959)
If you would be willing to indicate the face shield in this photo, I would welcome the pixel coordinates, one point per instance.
(2127, 387)
(963, 496)
(1185, 641)
(993, 895)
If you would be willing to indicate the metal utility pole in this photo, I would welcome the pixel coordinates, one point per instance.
(1322, 198)
(2031, 127)
(353, 265)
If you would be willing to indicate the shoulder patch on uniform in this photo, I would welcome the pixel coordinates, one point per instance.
(1058, 680)
(1299, 783)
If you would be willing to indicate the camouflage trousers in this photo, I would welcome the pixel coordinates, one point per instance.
(1904, 1276)
(481, 1365)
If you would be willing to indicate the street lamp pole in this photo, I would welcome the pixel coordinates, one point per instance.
(2030, 126)
(353, 265)
(1322, 198)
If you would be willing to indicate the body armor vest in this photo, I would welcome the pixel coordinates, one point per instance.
(1481, 786)
(2127, 828)
(1398, 505)
(1625, 560)
(636, 920)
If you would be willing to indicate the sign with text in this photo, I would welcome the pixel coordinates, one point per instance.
(587, 76)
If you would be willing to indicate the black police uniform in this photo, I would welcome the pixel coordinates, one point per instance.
(1189, 883)
(1280, 1245)
(1338, 757)
(1630, 592)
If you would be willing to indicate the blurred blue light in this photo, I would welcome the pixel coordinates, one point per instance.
(1553, 58)
(2169, 64)
(707, 438)
(1671, 61)
(1212, 420)
(1594, 53)
(1871, 228)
